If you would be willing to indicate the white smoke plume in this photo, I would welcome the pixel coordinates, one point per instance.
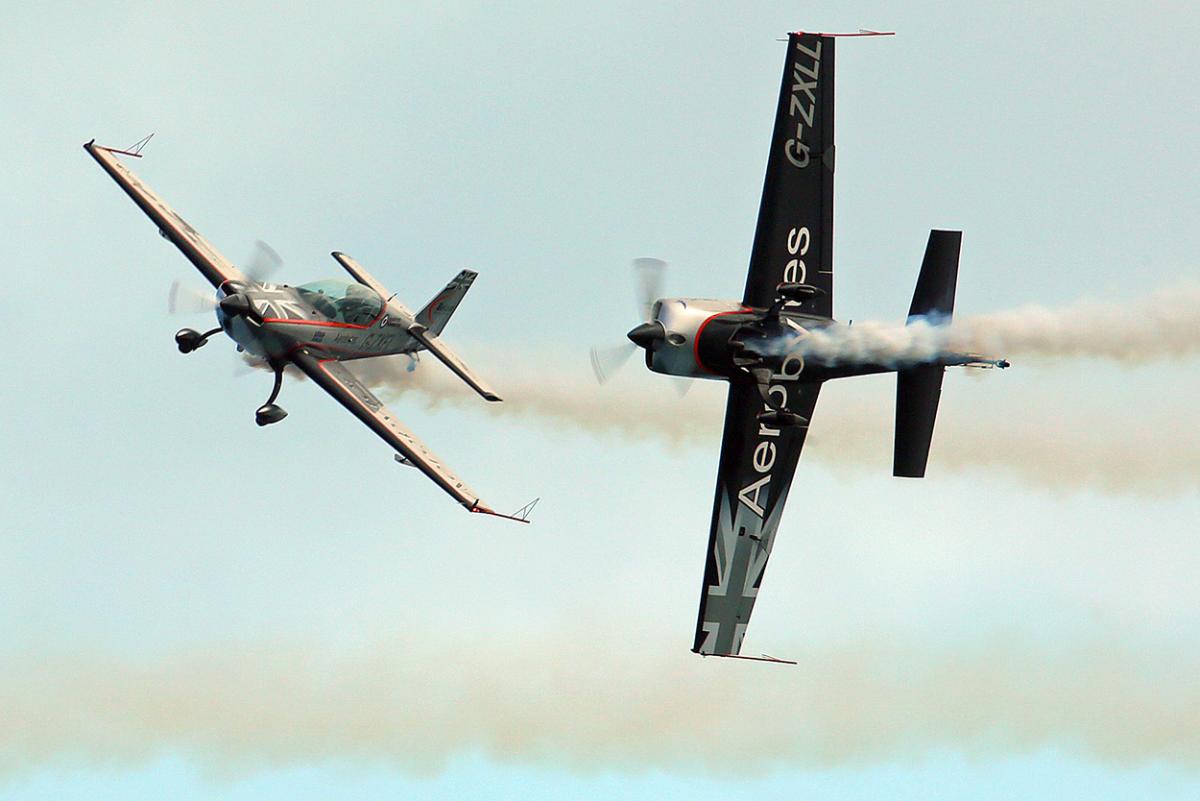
(1161, 326)
(596, 700)
(1053, 440)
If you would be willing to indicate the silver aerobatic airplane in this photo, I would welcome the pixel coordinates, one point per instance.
(318, 326)
(756, 345)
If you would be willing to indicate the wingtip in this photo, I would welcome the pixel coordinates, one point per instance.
(492, 397)
(519, 516)
(762, 658)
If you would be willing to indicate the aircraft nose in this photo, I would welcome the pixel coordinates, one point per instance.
(235, 304)
(648, 335)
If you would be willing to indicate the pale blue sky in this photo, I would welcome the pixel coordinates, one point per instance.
(999, 630)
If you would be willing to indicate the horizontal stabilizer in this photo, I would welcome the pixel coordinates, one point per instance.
(451, 360)
(917, 392)
(934, 295)
(360, 274)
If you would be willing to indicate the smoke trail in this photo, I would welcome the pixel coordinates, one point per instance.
(595, 700)
(1164, 325)
(1069, 442)
(539, 390)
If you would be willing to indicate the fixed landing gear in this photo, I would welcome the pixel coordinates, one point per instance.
(781, 418)
(270, 413)
(189, 340)
(775, 414)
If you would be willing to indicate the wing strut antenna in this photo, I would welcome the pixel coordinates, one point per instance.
(134, 150)
(861, 32)
(762, 658)
(521, 515)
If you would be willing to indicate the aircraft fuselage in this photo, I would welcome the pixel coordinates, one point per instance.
(339, 319)
(722, 339)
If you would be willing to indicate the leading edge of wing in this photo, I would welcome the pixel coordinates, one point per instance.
(793, 237)
(207, 259)
(334, 377)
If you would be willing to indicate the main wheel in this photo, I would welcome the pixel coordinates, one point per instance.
(269, 413)
(189, 340)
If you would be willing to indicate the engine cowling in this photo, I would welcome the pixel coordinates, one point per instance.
(676, 338)
(701, 338)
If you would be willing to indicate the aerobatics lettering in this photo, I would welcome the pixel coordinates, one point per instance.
(803, 104)
(765, 452)
(764, 457)
(797, 242)
(749, 495)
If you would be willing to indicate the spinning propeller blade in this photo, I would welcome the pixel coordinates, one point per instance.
(649, 274)
(606, 361)
(189, 300)
(682, 385)
(263, 262)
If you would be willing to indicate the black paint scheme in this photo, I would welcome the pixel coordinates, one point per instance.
(793, 242)
(772, 394)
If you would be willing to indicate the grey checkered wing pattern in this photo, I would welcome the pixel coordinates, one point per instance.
(756, 469)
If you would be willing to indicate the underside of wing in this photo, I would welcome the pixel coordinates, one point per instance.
(755, 474)
(207, 259)
(338, 381)
(793, 242)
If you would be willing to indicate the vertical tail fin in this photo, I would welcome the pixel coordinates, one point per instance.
(437, 312)
(934, 295)
(919, 388)
(917, 392)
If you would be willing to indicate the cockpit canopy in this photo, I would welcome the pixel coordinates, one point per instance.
(342, 301)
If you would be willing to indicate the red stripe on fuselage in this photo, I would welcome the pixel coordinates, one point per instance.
(320, 323)
(700, 330)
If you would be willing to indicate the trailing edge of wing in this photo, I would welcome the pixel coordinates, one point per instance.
(338, 381)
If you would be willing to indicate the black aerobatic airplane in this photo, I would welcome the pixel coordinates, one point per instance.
(757, 346)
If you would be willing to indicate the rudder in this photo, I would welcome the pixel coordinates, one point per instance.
(917, 392)
(919, 388)
(437, 312)
(934, 295)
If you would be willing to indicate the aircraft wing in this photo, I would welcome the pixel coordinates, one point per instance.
(756, 469)
(360, 274)
(333, 376)
(208, 260)
(794, 238)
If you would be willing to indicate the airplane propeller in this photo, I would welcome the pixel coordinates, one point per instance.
(262, 263)
(648, 280)
(648, 275)
(189, 300)
(607, 361)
